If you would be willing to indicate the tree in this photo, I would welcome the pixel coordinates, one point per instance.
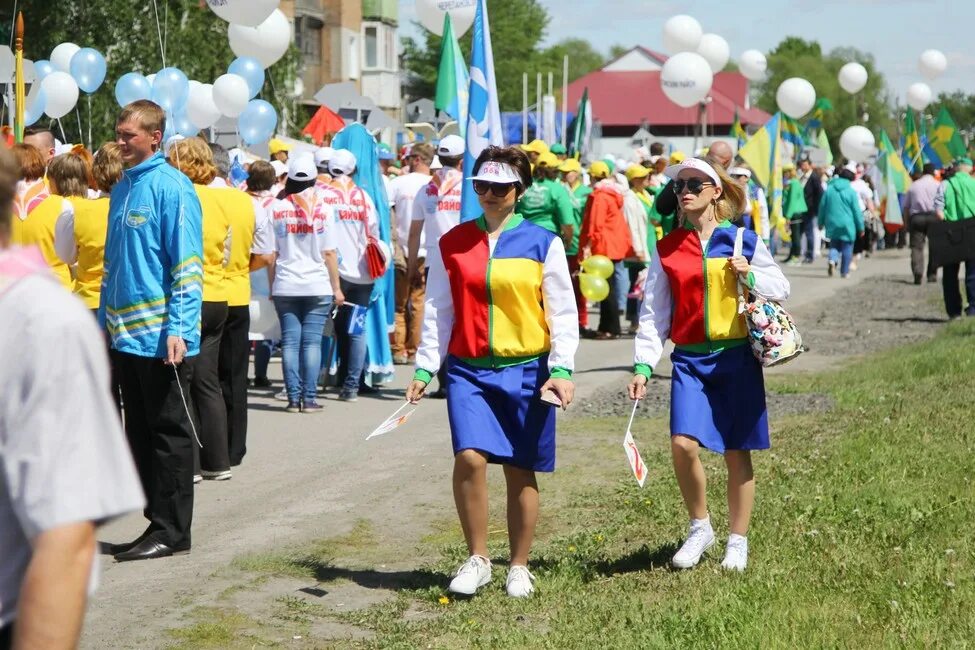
(125, 32)
(795, 57)
(517, 29)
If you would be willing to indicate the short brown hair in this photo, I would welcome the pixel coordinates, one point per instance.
(149, 115)
(30, 161)
(9, 171)
(108, 166)
(424, 152)
(260, 176)
(194, 158)
(68, 174)
(513, 156)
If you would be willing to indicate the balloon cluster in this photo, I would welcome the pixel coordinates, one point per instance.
(259, 34)
(60, 80)
(594, 280)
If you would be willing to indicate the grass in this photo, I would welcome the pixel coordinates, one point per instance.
(861, 534)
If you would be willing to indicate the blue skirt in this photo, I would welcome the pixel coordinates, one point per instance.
(718, 398)
(498, 412)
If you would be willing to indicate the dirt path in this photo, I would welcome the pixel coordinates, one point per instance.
(313, 476)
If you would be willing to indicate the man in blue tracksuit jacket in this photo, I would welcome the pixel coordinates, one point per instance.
(152, 296)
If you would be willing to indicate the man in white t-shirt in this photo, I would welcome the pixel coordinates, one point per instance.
(65, 466)
(436, 210)
(410, 291)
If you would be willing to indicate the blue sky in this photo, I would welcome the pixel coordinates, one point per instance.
(894, 31)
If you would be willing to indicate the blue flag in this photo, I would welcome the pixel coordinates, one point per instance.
(484, 115)
(238, 175)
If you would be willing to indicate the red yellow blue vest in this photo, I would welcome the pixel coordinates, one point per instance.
(703, 285)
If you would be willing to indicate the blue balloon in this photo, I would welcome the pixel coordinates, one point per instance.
(35, 109)
(132, 87)
(88, 69)
(182, 125)
(251, 70)
(171, 89)
(43, 68)
(257, 123)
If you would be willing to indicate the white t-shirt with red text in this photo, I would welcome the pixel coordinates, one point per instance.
(438, 207)
(402, 192)
(356, 220)
(304, 228)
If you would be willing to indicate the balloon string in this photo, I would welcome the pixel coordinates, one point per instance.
(162, 51)
(13, 25)
(64, 138)
(91, 141)
(81, 133)
(165, 28)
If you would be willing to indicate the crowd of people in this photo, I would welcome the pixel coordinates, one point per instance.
(159, 241)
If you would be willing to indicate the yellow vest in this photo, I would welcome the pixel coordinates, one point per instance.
(216, 232)
(90, 228)
(240, 207)
(37, 229)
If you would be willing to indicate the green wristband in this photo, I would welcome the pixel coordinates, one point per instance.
(422, 375)
(643, 369)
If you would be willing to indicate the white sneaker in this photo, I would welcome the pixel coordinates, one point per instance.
(520, 581)
(471, 576)
(221, 475)
(700, 539)
(736, 554)
(282, 396)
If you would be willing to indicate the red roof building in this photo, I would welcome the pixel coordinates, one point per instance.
(626, 94)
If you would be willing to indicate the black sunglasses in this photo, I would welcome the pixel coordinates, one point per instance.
(499, 190)
(693, 185)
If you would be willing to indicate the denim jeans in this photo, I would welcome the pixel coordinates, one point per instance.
(809, 227)
(351, 348)
(302, 322)
(842, 252)
(621, 277)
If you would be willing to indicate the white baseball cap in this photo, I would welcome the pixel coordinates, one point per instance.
(492, 171)
(168, 145)
(452, 146)
(740, 171)
(342, 162)
(279, 168)
(693, 163)
(302, 168)
(323, 155)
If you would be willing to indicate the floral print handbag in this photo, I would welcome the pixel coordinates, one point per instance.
(772, 333)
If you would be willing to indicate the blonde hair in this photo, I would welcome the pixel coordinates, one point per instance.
(730, 204)
(148, 115)
(108, 166)
(194, 158)
(68, 175)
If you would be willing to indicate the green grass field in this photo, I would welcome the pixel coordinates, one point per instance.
(862, 534)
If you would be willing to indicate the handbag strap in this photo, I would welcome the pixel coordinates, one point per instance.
(739, 244)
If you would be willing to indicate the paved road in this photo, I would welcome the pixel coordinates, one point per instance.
(311, 476)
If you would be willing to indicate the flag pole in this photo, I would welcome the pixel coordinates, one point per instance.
(538, 105)
(565, 98)
(19, 100)
(524, 108)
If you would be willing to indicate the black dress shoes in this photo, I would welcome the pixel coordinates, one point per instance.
(114, 549)
(149, 549)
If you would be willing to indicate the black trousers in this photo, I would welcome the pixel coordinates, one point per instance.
(160, 436)
(234, 357)
(952, 293)
(917, 226)
(210, 411)
(7, 637)
(795, 234)
(609, 310)
(632, 304)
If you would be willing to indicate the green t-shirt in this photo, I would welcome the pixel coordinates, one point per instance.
(547, 204)
(959, 197)
(577, 198)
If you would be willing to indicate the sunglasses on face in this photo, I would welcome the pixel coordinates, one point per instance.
(499, 190)
(693, 185)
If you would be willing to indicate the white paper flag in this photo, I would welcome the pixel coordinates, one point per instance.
(632, 453)
(393, 421)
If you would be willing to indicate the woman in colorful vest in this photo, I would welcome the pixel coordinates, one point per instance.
(718, 391)
(37, 210)
(356, 222)
(193, 157)
(80, 234)
(501, 310)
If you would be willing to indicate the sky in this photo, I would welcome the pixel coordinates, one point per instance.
(894, 31)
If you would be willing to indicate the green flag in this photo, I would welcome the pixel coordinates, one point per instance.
(945, 140)
(891, 164)
(452, 78)
(912, 143)
(823, 142)
(582, 126)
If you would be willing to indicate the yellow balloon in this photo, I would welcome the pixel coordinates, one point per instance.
(593, 287)
(599, 265)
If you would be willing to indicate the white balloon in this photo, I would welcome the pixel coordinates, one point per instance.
(715, 51)
(795, 97)
(61, 56)
(431, 13)
(201, 110)
(264, 318)
(753, 65)
(686, 78)
(919, 96)
(61, 91)
(249, 13)
(682, 33)
(231, 94)
(267, 42)
(857, 143)
(853, 77)
(932, 63)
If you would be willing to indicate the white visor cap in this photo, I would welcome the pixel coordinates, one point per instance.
(693, 163)
(492, 171)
